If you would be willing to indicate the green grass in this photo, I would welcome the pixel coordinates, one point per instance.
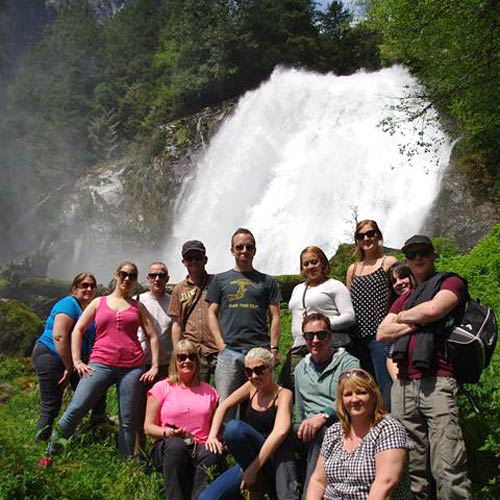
(90, 467)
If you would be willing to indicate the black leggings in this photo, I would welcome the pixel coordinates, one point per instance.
(50, 370)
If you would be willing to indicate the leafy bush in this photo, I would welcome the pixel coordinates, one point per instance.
(19, 327)
(481, 268)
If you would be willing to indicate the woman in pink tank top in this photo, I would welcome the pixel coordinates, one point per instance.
(117, 358)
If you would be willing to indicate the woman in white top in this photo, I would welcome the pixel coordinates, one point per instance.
(320, 294)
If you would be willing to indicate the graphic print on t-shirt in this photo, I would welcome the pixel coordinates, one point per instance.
(241, 292)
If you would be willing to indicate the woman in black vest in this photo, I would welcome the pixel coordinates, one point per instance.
(258, 440)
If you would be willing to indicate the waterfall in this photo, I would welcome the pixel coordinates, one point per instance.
(297, 156)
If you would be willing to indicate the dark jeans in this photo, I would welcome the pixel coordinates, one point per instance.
(49, 370)
(184, 467)
(244, 442)
(207, 366)
(373, 358)
(309, 453)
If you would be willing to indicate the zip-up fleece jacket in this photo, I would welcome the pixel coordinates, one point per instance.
(316, 392)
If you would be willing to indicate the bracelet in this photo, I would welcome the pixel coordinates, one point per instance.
(274, 348)
(398, 317)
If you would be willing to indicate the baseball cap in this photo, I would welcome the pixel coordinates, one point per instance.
(193, 245)
(418, 239)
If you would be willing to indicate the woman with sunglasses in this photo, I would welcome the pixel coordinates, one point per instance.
(318, 294)
(117, 358)
(259, 440)
(178, 415)
(370, 289)
(52, 359)
(364, 454)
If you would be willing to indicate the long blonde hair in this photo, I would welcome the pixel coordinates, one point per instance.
(173, 373)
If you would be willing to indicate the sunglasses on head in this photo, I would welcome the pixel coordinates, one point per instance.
(367, 234)
(86, 285)
(422, 252)
(258, 370)
(182, 357)
(322, 335)
(249, 247)
(153, 276)
(354, 371)
(131, 276)
(195, 256)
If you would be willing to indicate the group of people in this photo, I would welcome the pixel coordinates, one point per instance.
(359, 350)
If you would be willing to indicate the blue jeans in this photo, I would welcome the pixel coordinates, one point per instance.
(379, 361)
(373, 358)
(229, 375)
(90, 389)
(244, 442)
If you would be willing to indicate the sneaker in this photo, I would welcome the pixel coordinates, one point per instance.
(44, 461)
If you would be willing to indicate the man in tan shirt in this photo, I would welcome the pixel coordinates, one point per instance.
(189, 310)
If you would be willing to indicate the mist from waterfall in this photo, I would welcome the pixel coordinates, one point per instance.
(297, 156)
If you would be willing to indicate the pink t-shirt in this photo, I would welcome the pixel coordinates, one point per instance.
(116, 342)
(190, 407)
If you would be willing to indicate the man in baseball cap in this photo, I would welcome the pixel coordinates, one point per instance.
(424, 396)
(189, 310)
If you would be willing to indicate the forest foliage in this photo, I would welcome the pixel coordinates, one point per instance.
(453, 47)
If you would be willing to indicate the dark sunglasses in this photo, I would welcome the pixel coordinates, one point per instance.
(196, 256)
(248, 248)
(87, 285)
(423, 252)
(258, 370)
(355, 371)
(124, 275)
(192, 356)
(368, 234)
(153, 276)
(322, 334)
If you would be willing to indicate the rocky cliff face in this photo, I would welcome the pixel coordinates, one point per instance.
(103, 9)
(124, 209)
(459, 214)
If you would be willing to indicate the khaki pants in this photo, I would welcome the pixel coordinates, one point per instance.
(428, 410)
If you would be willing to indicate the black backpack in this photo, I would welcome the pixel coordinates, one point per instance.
(471, 344)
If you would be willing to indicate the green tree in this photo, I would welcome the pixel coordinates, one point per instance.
(453, 46)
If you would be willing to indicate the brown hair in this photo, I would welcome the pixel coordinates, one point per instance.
(190, 347)
(79, 279)
(242, 230)
(359, 252)
(317, 317)
(320, 255)
(356, 379)
(126, 263)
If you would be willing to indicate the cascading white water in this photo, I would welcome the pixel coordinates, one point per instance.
(294, 160)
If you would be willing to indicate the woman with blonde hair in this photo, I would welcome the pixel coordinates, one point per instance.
(117, 358)
(368, 282)
(179, 413)
(318, 294)
(259, 440)
(363, 455)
